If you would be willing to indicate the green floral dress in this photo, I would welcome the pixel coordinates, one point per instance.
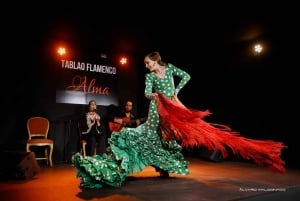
(133, 149)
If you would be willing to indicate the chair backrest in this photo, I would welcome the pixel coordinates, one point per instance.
(81, 125)
(38, 127)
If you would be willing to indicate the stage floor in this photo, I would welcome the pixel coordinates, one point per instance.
(207, 181)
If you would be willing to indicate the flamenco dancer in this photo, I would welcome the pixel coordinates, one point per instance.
(159, 141)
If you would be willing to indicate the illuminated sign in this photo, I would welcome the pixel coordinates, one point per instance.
(79, 82)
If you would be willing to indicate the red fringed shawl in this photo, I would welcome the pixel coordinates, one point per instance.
(187, 125)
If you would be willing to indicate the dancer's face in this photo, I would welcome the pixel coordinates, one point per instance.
(93, 106)
(151, 65)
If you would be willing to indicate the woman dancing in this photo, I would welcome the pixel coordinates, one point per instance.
(159, 141)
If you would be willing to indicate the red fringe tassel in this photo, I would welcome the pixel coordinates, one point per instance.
(187, 125)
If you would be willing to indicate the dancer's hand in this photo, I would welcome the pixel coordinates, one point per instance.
(153, 96)
(176, 92)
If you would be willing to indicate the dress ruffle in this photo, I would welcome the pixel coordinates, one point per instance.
(97, 171)
(187, 125)
(132, 149)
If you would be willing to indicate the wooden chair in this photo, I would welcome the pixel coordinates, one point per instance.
(38, 128)
(83, 143)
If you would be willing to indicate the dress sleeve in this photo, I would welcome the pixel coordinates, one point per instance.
(88, 119)
(98, 116)
(183, 75)
(99, 127)
(148, 85)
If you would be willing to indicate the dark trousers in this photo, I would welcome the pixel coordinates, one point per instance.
(95, 142)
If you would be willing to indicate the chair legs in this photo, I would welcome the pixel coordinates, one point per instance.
(83, 152)
(48, 153)
(83, 149)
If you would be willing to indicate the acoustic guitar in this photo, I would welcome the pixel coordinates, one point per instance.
(116, 127)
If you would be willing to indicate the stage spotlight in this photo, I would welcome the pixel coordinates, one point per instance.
(61, 51)
(123, 60)
(258, 48)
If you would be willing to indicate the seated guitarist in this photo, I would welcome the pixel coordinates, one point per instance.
(125, 118)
